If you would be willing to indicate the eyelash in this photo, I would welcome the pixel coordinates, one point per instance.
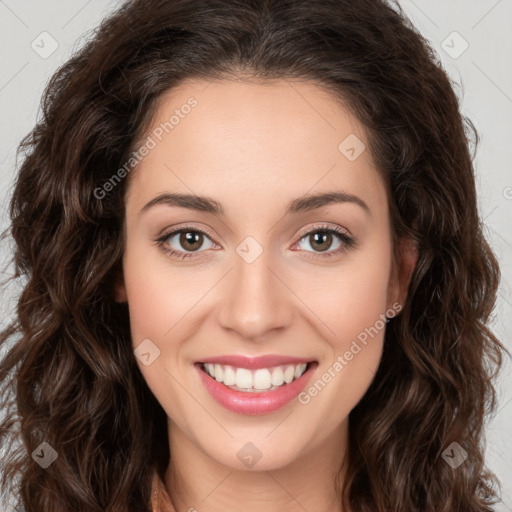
(346, 240)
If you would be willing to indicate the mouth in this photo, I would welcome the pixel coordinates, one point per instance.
(256, 390)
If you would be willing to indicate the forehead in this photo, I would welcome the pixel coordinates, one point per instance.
(250, 137)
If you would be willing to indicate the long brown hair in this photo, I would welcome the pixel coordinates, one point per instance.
(70, 377)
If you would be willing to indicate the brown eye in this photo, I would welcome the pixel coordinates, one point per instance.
(191, 240)
(321, 240)
(331, 241)
(184, 242)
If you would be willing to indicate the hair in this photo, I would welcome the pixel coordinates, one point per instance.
(70, 377)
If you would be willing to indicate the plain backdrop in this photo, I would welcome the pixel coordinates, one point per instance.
(473, 41)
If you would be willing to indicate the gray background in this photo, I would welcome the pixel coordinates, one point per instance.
(482, 76)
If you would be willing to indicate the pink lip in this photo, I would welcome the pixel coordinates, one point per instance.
(255, 403)
(253, 363)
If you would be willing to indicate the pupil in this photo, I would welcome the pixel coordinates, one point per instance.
(189, 238)
(323, 238)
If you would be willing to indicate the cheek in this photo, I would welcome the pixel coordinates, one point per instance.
(354, 312)
(349, 299)
(166, 305)
(161, 302)
(160, 295)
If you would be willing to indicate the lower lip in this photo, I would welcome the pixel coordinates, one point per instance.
(262, 402)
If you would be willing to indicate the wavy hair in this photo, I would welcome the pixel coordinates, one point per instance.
(69, 375)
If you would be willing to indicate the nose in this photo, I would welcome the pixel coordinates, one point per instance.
(255, 300)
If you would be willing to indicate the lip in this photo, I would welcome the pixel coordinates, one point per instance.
(259, 403)
(254, 363)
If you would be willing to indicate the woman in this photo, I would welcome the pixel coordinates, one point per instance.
(255, 273)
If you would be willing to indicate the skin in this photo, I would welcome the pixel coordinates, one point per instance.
(254, 147)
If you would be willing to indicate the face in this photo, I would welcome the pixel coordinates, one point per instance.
(281, 297)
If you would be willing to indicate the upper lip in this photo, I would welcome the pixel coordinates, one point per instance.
(252, 362)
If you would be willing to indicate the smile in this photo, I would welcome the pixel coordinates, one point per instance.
(254, 386)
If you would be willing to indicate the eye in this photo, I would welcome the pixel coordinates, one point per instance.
(321, 238)
(190, 239)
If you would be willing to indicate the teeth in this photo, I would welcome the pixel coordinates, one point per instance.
(262, 379)
(289, 373)
(243, 379)
(229, 376)
(277, 376)
(219, 373)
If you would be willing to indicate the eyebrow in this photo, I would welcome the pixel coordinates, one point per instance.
(299, 205)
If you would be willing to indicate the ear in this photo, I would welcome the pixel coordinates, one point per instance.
(403, 266)
(120, 294)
